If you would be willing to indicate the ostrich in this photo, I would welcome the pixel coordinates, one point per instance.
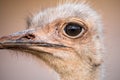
(68, 38)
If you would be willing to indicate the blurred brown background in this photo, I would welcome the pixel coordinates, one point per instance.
(13, 15)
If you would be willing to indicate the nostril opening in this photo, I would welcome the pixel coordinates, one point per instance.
(28, 36)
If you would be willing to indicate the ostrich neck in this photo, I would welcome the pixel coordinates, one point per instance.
(78, 72)
(74, 69)
(79, 75)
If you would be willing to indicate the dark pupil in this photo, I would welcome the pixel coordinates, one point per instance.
(73, 29)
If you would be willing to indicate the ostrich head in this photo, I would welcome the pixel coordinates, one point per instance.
(68, 38)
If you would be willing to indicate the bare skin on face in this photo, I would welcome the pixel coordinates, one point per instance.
(68, 40)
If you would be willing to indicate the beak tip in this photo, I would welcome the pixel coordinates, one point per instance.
(1, 47)
(1, 41)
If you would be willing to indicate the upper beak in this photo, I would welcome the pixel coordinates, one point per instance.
(25, 39)
(15, 39)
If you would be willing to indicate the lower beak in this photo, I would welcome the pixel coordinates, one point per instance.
(24, 39)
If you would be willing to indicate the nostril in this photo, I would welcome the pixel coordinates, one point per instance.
(28, 36)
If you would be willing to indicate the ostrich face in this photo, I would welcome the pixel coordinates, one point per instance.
(66, 37)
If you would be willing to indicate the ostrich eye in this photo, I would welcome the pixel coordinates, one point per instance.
(73, 29)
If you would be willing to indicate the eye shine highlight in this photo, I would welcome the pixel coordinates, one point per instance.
(73, 30)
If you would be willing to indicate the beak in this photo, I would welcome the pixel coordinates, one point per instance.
(26, 39)
(15, 39)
